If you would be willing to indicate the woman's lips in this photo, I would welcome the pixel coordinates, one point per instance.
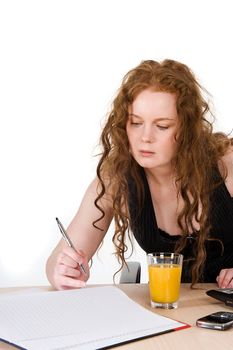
(146, 153)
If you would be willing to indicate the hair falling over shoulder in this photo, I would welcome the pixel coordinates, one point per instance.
(199, 150)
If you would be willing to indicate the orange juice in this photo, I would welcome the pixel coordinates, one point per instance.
(164, 282)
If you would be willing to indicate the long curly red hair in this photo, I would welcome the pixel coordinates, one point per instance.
(199, 151)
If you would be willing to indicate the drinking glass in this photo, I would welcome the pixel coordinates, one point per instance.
(164, 279)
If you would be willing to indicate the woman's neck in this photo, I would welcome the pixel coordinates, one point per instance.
(160, 177)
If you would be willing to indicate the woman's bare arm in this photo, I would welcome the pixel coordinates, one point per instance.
(62, 267)
(225, 278)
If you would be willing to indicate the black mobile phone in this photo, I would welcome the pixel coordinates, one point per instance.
(222, 294)
(220, 320)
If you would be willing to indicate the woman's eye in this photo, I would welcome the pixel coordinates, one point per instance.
(162, 127)
(136, 124)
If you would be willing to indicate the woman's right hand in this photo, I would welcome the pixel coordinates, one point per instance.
(67, 273)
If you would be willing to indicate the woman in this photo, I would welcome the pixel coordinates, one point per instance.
(163, 176)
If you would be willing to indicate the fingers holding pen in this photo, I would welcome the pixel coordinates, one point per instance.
(65, 282)
(70, 261)
(65, 270)
(68, 256)
(68, 273)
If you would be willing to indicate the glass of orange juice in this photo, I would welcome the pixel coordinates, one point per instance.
(164, 279)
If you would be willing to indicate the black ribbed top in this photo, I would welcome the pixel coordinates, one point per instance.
(153, 239)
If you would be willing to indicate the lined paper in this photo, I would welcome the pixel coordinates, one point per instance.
(85, 319)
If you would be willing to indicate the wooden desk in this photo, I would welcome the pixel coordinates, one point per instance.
(192, 305)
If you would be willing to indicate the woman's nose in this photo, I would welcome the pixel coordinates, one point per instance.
(147, 134)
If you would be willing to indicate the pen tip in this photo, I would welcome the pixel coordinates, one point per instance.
(56, 219)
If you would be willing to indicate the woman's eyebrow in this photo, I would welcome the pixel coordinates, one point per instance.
(134, 115)
(157, 119)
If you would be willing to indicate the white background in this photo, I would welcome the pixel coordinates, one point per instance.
(61, 63)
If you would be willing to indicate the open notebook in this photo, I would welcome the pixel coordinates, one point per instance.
(84, 319)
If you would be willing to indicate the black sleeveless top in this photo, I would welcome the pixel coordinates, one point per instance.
(153, 239)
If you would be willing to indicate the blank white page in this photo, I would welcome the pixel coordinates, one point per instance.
(85, 319)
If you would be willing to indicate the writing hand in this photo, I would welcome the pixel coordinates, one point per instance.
(67, 272)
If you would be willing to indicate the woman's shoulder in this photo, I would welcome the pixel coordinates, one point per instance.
(227, 161)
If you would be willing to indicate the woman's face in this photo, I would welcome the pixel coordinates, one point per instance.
(152, 127)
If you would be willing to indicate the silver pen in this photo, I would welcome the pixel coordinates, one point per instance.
(68, 240)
